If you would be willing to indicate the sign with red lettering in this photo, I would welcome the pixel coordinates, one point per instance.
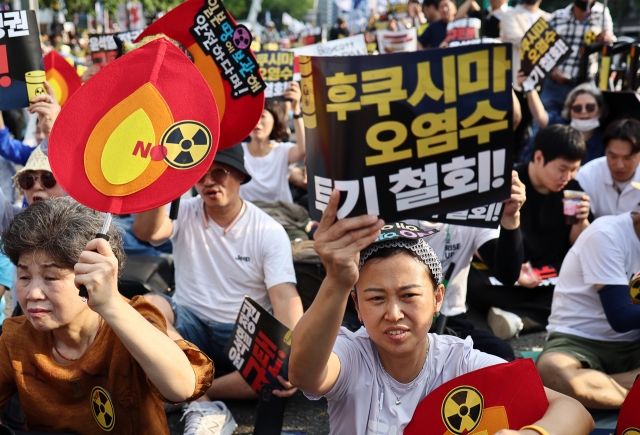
(259, 346)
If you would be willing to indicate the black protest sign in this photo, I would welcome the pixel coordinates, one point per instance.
(277, 69)
(21, 72)
(485, 216)
(409, 135)
(103, 47)
(259, 346)
(541, 49)
(228, 44)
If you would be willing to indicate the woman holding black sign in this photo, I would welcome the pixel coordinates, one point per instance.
(376, 377)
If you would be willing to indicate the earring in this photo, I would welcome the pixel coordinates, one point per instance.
(361, 322)
(84, 299)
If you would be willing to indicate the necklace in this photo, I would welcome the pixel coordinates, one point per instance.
(73, 359)
(412, 384)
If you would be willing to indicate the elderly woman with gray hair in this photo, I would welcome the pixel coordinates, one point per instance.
(83, 365)
(583, 110)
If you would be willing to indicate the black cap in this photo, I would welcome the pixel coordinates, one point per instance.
(234, 157)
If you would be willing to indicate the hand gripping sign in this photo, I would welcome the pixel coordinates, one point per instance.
(220, 51)
(503, 396)
(62, 76)
(137, 135)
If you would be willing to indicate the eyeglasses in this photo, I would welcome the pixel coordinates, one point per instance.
(218, 175)
(26, 181)
(590, 108)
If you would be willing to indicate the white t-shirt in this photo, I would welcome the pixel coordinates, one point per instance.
(595, 179)
(269, 175)
(355, 400)
(606, 253)
(215, 271)
(455, 244)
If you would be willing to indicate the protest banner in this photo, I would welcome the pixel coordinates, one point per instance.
(103, 48)
(220, 51)
(541, 49)
(277, 68)
(409, 135)
(351, 46)
(393, 42)
(464, 29)
(21, 74)
(503, 396)
(62, 76)
(129, 141)
(259, 346)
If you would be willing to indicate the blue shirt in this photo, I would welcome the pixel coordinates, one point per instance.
(12, 149)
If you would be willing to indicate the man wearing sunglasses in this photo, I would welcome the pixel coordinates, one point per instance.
(224, 248)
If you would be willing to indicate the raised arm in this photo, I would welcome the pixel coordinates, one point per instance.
(161, 358)
(463, 11)
(153, 226)
(313, 367)
(538, 112)
(298, 152)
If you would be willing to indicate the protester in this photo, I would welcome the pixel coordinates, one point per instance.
(513, 26)
(583, 109)
(579, 24)
(224, 248)
(492, 18)
(503, 253)
(266, 158)
(593, 347)
(546, 235)
(70, 346)
(370, 376)
(607, 180)
(340, 30)
(436, 33)
(271, 34)
(415, 17)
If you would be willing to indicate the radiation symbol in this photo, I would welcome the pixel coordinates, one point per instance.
(634, 289)
(40, 91)
(186, 143)
(102, 408)
(631, 431)
(590, 37)
(462, 409)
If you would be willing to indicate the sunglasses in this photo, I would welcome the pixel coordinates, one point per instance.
(26, 181)
(218, 175)
(590, 108)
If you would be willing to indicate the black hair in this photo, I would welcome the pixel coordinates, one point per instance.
(279, 131)
(383, 253)
(560, 141)
(626, 130)
(427, 3)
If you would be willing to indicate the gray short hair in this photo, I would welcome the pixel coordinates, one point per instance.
(585, 88)
(59, 227)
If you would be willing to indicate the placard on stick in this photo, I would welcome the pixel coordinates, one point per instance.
(259, 346)
(62, 76)
(277, 68)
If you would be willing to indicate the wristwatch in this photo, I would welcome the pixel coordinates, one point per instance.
(298, 116)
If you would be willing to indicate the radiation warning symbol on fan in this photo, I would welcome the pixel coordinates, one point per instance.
(102, 408)
(631, 431)
(462, 410)
(186, 144)
(634, 289)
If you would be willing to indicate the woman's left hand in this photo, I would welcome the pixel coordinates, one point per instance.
(294, 95)
(98, 272)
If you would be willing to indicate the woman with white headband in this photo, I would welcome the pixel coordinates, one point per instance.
(375, 378)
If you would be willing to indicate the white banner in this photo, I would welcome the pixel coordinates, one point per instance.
(393, 42)
(351, 46)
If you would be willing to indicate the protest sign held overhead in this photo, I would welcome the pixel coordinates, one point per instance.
(503, 396)
(62, 76)
(485, 216)
(409, 135)
(259, 346)
(104, 48)
(393, 42)
(139, 143)
(277, 68)
(21, 74)
(541, 50)
(220, 51)
(351, 46)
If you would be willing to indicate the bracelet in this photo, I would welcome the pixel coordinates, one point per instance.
(298, 116)
(540, 430)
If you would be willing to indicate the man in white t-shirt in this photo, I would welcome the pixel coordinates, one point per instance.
(224, 248)
(593, 347)
(609, 180)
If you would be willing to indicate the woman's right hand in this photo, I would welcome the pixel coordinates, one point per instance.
(521, 77)
(338, 243)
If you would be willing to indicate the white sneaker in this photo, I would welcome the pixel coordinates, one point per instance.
(504, 324)
(208, 418)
